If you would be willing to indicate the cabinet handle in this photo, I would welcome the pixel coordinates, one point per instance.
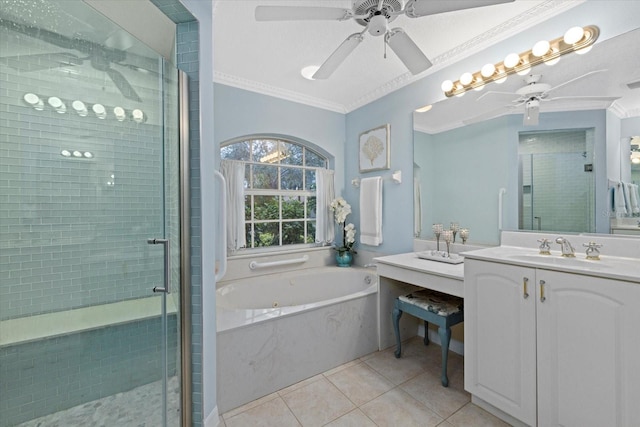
(542, 297)
(525, 282)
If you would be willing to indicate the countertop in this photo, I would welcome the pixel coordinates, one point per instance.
(610, 267)
(438, 276)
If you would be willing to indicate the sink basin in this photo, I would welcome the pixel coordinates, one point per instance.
(561, 261)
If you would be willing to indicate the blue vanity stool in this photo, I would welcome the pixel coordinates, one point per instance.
(431, 306)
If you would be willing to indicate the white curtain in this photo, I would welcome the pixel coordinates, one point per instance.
(325, 193)
(233, 172)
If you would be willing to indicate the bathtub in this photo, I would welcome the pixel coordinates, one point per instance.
(277, 329)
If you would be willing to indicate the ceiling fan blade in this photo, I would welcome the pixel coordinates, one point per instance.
(41, 61)
(418, 8)
(584, 98)
(296, 13)
(123, 85)
(574, 79)
(495, 92)
(338, 56)
(408, 52)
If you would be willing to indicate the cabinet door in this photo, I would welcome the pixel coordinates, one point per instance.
(500, 334)
(588, 347)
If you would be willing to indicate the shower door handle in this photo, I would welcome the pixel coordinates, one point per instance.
(165, 242)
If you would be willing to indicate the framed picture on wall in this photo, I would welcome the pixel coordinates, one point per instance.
(374, 149)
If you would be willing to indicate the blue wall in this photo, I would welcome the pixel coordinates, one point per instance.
(240, 112)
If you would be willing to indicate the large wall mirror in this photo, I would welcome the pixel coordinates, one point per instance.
(478, 162)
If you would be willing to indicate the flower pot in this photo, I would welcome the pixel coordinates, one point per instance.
(344, 259)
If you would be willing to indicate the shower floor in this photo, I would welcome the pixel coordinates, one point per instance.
(139, 407)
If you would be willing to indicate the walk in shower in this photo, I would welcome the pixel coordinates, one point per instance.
(557, 185)
(89, 180)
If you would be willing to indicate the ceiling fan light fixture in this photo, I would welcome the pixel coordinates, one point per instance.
(573, 35)
(378, 25)
(541, 48)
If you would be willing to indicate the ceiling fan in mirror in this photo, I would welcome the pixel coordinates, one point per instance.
(375, 16)
(532, 95)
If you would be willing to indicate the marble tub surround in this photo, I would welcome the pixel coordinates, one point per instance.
(374, 390)
(264, 347)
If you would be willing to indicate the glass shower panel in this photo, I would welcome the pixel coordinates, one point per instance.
(546, 205)
(88, 173)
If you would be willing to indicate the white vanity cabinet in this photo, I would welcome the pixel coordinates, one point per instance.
(552, 348)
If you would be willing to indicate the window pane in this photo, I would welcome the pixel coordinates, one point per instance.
(266, 207)
(311, 231)
(292, 207)
(311, 207)
(293, 153)
(248, 235)
(237, 151)
(312, 159)
(265, 177)
(292, 232)
(247, 208)
(262, 148)
(291, 178)
(267, 234)
(310, 180)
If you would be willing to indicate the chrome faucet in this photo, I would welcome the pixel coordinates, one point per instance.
(567, 249)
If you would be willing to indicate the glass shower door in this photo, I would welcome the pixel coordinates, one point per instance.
(89, 170)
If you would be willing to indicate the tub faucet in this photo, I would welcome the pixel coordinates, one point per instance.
(567, 249)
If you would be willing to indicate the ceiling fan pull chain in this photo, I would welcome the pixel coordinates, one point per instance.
(385, 46)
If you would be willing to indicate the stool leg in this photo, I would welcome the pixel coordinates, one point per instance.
(426, 333)
(395, 315)
(445, 338)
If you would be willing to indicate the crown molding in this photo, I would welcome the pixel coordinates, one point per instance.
(505, 30)
(265, 89)
(515, 25)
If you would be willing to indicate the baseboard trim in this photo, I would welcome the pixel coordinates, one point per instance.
(213, 419)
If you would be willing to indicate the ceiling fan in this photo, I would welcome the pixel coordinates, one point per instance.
(531, 95)
(375, 16)
(101, 57)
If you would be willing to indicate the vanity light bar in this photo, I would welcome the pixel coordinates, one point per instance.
(523, 62)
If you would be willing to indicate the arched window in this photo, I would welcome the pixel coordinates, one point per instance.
(279, 189)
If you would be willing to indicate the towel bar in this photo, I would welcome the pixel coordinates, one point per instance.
(254, 264)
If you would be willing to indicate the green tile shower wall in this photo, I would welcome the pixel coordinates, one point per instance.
(54, 374)
(68, 238)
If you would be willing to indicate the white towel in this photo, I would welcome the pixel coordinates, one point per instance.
(371, 211)
(621, 208)
(417, 208)
(635, 203)
(627, 197)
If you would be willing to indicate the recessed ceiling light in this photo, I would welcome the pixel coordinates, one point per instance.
(309, 71)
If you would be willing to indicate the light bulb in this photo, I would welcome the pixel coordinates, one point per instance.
(466, 79)
(584, 50)
(138, 116)
(80, 108)
(100, 111)
(119, 113)
(57, 104)
(424, 109)
(540, 48)
(446, 86)
(573, 35)
(488, 70)
(511, 60)
(524, 71)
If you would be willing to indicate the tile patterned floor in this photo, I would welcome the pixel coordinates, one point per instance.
(375, 390)
(138, 407)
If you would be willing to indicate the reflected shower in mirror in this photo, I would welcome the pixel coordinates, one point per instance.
(470, 152)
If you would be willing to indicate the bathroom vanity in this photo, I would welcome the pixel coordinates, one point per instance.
(553, 340)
